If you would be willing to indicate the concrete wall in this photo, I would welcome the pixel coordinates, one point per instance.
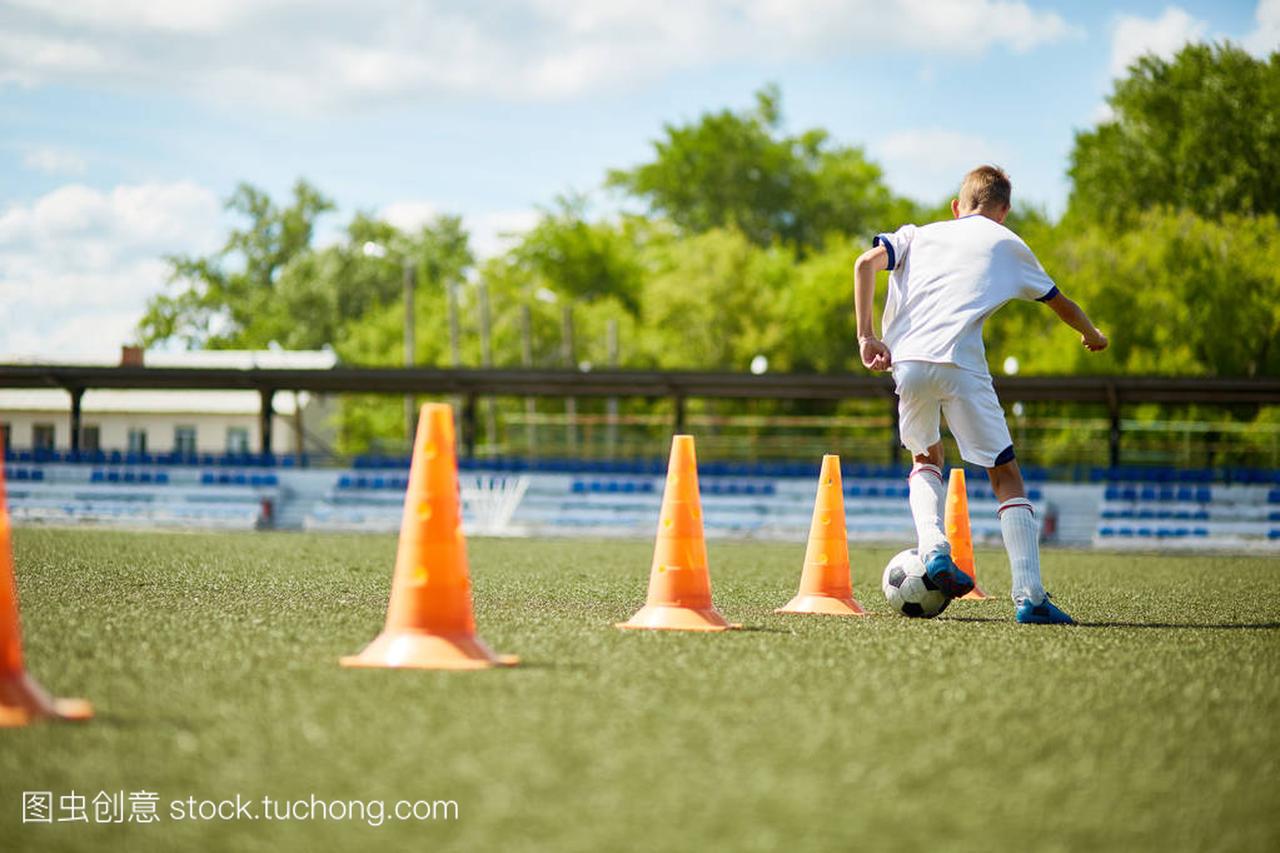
(211, 430)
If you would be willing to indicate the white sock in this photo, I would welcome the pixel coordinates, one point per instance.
(925, 495)
(1021, 534)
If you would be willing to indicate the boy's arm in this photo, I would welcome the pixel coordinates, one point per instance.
(875, 355)
(1073, 315)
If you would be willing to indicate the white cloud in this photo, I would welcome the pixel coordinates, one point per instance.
(55, 161)
(329, 53)
(491, 232)
(1265, 40)
(928, 163)
(496, 231)
(1133, 36)
(77, 264)
(409, 215)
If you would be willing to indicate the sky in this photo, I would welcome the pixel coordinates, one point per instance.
(125, 124)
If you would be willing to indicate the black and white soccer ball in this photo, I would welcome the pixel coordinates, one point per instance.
(909, 589)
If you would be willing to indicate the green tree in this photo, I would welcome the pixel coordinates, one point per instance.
(226, 298)
(583, 260)
(1200, 131)
(1177, 294)
(713, 301)
(740, 170)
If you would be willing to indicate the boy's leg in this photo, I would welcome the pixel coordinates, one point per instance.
(919, 424)
(926, 496)
(977, 420)
(1020, 530)
(1022, 540)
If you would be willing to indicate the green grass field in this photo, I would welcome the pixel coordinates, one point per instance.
(212, 662)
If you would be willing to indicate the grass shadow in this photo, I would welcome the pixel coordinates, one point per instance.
(1176, 626)
(1214, 626)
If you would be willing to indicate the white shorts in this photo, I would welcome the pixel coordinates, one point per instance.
(969, 401)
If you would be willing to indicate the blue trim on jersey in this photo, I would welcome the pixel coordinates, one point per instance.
(1004, 456)
(1053, 291)
(881, 240)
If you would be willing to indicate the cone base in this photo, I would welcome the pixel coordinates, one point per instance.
(976, 594)
(666, 617)
(23, 701)
(420, 650)
(824, 605)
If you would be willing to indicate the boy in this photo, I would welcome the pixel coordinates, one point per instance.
(947, 278)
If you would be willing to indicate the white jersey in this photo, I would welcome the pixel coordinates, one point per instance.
(947, 278)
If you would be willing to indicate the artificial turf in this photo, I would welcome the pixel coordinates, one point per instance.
(212, 662)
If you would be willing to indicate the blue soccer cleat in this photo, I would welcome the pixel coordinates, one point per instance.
(1044, 613)
(947, 576)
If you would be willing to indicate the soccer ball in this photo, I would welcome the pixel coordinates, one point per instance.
(909, 589)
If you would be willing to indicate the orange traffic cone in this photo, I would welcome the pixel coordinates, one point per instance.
(958, 534)
(429, 620)
(22, 700)
(825, 586)
(679, 583)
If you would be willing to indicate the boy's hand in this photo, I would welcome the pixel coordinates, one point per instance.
(875, 355)
(1094, 341)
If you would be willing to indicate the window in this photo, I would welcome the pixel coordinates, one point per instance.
(91, 438)
(137, 440)
(42, 437)
(237, 440)
(184, 440)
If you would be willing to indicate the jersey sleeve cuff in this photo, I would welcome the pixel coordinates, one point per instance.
(882, 240)
(1053, 291)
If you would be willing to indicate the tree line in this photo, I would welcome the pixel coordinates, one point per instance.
(745, 243)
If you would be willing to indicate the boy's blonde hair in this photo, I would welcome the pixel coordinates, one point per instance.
(985, 188)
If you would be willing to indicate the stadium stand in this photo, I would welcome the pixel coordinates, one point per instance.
(1128, 507)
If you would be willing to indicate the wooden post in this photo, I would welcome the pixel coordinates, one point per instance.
(570, 403)
(266, 415)
(76, 395)
(611, 405)
(486, 360)
(410, 409)
(526, 358)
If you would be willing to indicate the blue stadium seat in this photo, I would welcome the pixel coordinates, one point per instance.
(162, 478)
(97, 476)
(207, 478)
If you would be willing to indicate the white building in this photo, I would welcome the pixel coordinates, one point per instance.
(156, 422)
